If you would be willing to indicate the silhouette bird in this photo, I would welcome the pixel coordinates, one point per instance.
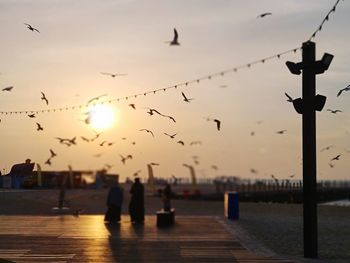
(181, 142)
(110, 143)
(137, 173)
(132, 105)
(334, 111)
(185, 98)
(156, 164)
(214, 167)
(253, 171)
(48, 161)
(171, 136)
(8, 88)
(95, 98)
(98, 155)
(195, 142)
(336, 158)
(264, 14)
(152, 111)
(290, 99)
(31, 28)
(124, 159)
(218, 124)
(102, 143)
(292, 175)
(281, 131)
(53, 154)
(252, 133)
(148, 131)
(72, 141)
(85, 139)
(175, 41)
(170, 117)
(39, 127)
(96, 137)
(347, 88)
(113, 75)
(31, 115)
(195, 160)
(331, 165)
(108, 166)
(326, 148)
(43, 97)
(124, 138)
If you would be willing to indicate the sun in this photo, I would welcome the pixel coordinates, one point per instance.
(101, 117)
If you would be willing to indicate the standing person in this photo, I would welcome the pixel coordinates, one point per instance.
(136, 206)
(166, 196)
(114, 204)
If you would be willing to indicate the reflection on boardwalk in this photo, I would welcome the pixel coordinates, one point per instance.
(88, 239)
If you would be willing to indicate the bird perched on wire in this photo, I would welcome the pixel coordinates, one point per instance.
(172, 136)
(39, 127)
(290, 99)
(347, 88)
(8, 88)
(31, 28)
(185, 98)
(334, 111)
(175, 41)
(113, 75)
(264, 14)
(148, 131)
(43, 97)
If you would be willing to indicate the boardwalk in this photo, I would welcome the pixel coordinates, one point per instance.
(87, 239)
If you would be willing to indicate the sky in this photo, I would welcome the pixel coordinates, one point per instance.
(80, 39)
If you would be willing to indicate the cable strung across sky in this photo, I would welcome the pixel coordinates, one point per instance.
(182, 84)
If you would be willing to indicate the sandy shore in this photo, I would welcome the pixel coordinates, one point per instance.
(277, 226)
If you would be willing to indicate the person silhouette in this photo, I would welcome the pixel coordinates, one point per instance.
(136, 206)
(166, 196)
(114, 204)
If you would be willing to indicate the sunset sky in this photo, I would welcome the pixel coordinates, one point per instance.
(80, 39)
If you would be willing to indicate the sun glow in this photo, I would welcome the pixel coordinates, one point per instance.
(102, 117)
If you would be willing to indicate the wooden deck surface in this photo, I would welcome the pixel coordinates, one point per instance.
(87, 239)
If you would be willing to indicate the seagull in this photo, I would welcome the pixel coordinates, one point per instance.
(137, 173)
(132, 105)
(264, 14)
(8, 88)
(96, 98)
(43, 97)
(31, 28)
(218, 124)
(85, 139)
(53, 154)
(102, 143)
(174, 42)
(171, 136)
(72, 141)
(152, 111)
(336, 158)
(290, 99)
(195, 142)
(113, 75)
(281, 131)
(149, 131)
(31, 115)
(326, 148)
(170, 117)
(181, 142)
(331, 165)
(110, 143)
(185, 98)
(347, 88)
(292, 175)
(253, 171)
(39, 127)
(123, 159)
(334, 111)
(48, 161)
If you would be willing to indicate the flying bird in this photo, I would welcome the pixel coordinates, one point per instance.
(98, 155)
(102, 143)
(113, 75)
(334, 111)
(175, 41)
(331, 165)
(39, 127)
(171, 136)
(8, 88)
(281, 131)
(31, 28)
(85, 139)
(252, 133)
(31, 115)
(195, 142)
(290, 99)
(124, 159)
(185, 98)
(53, 154)
(253, 171)
(43, 97)
(181, 142)
(132, 105)
(149, 131)
(137, 173)
(152, 111)
(48, 161)
(214, 167)
(326, 148)
(218, 124)
(336, 158)
(347, 88)
(264, 14)
(95, 98)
